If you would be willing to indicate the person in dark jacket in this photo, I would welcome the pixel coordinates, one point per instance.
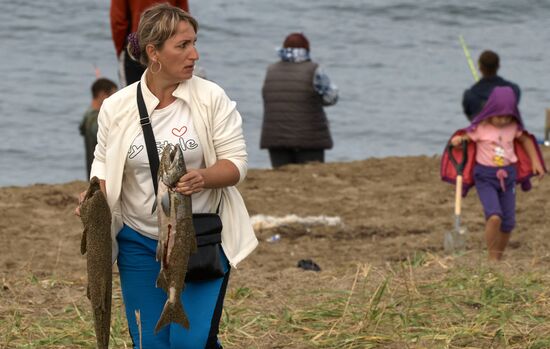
(475, 97)
(124, 15)
(295, 128)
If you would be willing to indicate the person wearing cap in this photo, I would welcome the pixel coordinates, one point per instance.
(475, 97)
(295, 128)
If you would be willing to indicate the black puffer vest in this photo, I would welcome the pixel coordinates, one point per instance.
(293, 110)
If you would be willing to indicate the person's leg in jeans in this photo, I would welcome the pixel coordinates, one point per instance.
(138, 274)
(203, 303)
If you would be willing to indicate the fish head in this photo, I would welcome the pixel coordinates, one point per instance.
(92, 188)
(172, 165)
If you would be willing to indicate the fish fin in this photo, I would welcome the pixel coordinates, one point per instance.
(162, 281)
(159, 251)
(172, 312)
(165, 202)
(83, 247)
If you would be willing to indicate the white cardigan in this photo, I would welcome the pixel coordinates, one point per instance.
(219, 129)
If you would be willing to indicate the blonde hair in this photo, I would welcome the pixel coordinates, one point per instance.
(156, 25)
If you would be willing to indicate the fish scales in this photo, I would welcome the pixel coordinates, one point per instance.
(96, 243)
(177, 238)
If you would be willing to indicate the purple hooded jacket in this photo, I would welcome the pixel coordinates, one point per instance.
(502, 101)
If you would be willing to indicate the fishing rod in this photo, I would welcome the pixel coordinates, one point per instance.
(468, 58)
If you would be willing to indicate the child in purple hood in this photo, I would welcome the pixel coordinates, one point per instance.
(494, 131)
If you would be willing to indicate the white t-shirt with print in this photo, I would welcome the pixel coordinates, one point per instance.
(171, 125)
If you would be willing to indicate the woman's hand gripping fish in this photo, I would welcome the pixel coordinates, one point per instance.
(97, 244)
(177, 240)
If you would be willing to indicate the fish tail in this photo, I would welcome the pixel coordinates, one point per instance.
(102, 328)
(172, 312)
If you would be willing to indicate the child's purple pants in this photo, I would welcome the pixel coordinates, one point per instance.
(497, 193)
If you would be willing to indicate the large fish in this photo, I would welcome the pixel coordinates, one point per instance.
(96, 243)
(177, 240)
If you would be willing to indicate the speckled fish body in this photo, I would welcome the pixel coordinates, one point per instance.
(97, 245)
(177, 240)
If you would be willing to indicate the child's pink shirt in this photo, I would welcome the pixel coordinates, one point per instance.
(495, 145)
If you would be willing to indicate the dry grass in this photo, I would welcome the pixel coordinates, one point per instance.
(423, 302)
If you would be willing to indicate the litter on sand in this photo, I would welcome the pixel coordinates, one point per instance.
(274, 238)
(261, 221)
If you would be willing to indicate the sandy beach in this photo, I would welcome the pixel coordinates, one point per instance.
(391, 209)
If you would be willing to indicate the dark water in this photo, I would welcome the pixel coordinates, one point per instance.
(399, 66)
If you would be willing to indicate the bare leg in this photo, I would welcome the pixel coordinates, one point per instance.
(493, 238)
(502, 242)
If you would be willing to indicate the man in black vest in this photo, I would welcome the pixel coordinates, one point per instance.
(295, 128)
(475, 97)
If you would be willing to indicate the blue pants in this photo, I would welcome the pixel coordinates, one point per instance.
(495, 200)
(202, 301)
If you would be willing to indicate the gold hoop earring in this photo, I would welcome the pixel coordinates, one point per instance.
(151, 67)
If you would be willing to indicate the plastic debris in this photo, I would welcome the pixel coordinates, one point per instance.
(274, 238)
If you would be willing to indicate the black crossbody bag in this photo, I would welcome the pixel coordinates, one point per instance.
(206, 263)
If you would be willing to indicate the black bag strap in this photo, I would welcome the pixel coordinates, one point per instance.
(149, 137)
(150, 142)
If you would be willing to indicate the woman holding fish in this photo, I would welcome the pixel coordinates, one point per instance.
(197, 116)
